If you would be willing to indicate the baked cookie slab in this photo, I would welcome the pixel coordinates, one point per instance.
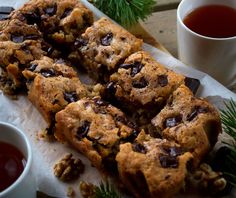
(104, 45)
(189, 121)
(95, 128)
(152, 167)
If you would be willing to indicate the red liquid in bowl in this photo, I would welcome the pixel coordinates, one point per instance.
(12, 163)
(215, 21)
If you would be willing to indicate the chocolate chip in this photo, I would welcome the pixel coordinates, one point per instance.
(51, 10)
(32, 66)
(196, 110)
(17, 38)
(142, 83)
(6, 9)
(31, 37)
(83, 130)
(173, 151)
(111, 88)
(136, 67)
(192, 83)
(70, 96)
(121, 119)
(33, 17)
(167, 161)
(173, 121)
(162, 80)
(132, 136)
(79, 42)
(48, 73)
(66, 13)
(137, 147)
(100, 102)
(106, 40)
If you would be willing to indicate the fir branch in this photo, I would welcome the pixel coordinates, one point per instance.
(126, 12)
(106, 191)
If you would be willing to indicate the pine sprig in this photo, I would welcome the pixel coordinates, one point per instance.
(126, 12)
(228, 117)
(106, 191)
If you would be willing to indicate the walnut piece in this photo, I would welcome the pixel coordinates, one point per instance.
(68, 168)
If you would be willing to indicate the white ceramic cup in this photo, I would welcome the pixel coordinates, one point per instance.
(25, 185)
(214, 56)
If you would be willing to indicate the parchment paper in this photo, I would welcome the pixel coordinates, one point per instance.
(23, 114)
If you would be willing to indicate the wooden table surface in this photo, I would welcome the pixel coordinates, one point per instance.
(162, 24)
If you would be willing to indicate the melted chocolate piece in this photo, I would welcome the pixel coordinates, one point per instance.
(79, 42)
(167, 161)
(139, 148)
(83, 130)
(66, 13)
(32, 66)
(111, 88)
(6, 9)
(70, 96)
(192, 83)
(173, 121)
(196, 111)
(51, 10)
(162, 80)
(142, 83)
(48, 73)
(17, 38)
(133, 136)
(106, 40)
(136, 67)
(173, 151)
(33, 17)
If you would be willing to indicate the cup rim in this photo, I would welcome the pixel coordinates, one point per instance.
(28, 162)
(197, 34)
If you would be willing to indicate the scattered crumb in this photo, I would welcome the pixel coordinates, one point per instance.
(70, 192)
(68, 168)
(43, 135)
(87, 190)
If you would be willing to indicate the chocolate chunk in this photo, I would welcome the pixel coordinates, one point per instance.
(66, 13)
(111, 88)
(196, 111)
(100, 102)
(136, 67)
(121, 119)
(48, 73)
(31, 37)
(162, 80)
(173, 151)
(167, 161)
(6, 9)
(192, 83)
(51, 10)
(142, 83)
(106, 40)
(137, 147)
(17, 38)
(133, 136)
(173, 121)
(83, 130)
(79, 42)
(32, 66)
(70, 96)
(33, 17)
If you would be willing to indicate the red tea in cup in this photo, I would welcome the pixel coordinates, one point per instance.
(12, 163)
(216, 21)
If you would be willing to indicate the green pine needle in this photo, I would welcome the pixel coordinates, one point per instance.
(126, 12)
(106, 191)
(228, 117)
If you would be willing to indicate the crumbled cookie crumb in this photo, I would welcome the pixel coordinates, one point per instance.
(70, 192)
(68, 168)
(87, 190)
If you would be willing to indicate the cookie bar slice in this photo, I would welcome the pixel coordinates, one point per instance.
(95, 128)
(152, 167)
(14, 58)
(61, 21)
(143, 83)
(48, 67)
(104, 46)
(51, 94)
(191, 122)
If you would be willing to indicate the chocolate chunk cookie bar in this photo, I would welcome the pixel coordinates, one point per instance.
(14, 58)
(152, 167)
(61, 21)
(95, 128)
(191, 122)
(104, 46)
